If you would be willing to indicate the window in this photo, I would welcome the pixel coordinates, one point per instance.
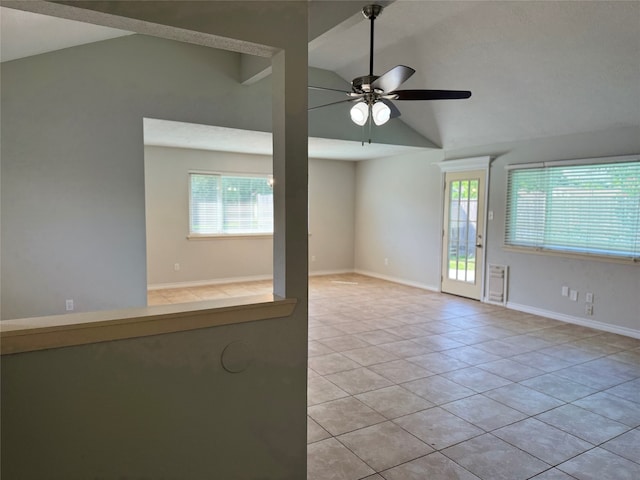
(230, 205)
(590, 208)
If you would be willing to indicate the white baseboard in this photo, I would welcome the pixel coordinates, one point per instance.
(204, 283)
(320, 273)
(607, 327)
(220, 281)
(401, 281)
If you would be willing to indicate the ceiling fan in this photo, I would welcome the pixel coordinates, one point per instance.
(372, 95)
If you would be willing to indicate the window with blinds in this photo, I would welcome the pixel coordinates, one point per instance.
(591, 209)
(229, 205)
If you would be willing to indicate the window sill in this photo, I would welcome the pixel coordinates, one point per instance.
(229, 236)
(580, 256)
(41, 333)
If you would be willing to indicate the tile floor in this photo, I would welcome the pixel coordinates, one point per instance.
(406, 384)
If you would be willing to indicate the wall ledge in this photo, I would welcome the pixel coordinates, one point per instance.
(41, 333)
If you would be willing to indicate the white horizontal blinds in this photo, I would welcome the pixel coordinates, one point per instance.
(229, 205)
(205, 212)
(592, 209)
(247, 205)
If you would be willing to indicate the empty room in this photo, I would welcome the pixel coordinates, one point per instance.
(322, 240)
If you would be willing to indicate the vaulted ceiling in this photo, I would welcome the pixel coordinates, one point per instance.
(536, 69)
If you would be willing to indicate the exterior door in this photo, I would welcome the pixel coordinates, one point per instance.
(462, 255)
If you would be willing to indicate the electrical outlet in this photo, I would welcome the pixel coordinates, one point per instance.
(588, 309)
(565, 291)
(313, 258)
(69, 305)
(176, 267)
(386, 261)
(588, 297)
(573, 295)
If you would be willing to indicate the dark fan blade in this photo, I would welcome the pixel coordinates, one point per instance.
(430, 94)
(395, 113)
(392, 79)
(329, 89)
(333, 103)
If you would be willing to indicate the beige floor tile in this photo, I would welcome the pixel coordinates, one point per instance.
(438, 344)
(599, 464)
(331, 363)
(510, 369)
(612, 407)
(320, 390)
(400, 371)
(315, 432)
(523, 399)
(344, 415)
(543, 441)
(626, 445)
(394, 401)
(628, 390)
(359, 380)
(476, 379)
(438, 427)
(484, 412)
(438, 390)
(559, 387)
(330, 460)
(438, 362)
(493, 459)
(581, 423)
(384, 445)
(434, 466)
(370, 355)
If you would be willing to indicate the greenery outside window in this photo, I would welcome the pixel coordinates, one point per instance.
(230, 205)
(571, 207)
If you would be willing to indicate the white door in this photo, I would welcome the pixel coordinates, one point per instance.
(462, 254)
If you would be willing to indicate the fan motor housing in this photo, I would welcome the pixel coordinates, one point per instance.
(363, 84)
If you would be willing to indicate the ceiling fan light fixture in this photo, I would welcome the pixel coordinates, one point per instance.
(360, 113)
(381, 113)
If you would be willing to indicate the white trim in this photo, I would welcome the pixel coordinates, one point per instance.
(401, 281)
(204, 283)
(464, 164)
(221, 281)
(577, 161)
(607, 327)
(320, 273)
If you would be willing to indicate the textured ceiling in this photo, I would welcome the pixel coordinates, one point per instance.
(535, 68)
(25, 34)
(165, 133)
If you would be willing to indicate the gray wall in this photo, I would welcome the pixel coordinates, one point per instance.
(159, 407)
(332, 187)
(535, 281)
(331, 219)
(398, 218)
(73, 220)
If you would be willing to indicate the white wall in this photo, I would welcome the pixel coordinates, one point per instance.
(398, 218)
(331, 219)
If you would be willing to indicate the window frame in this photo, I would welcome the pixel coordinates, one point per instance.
(205, 236)
(567, 251)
